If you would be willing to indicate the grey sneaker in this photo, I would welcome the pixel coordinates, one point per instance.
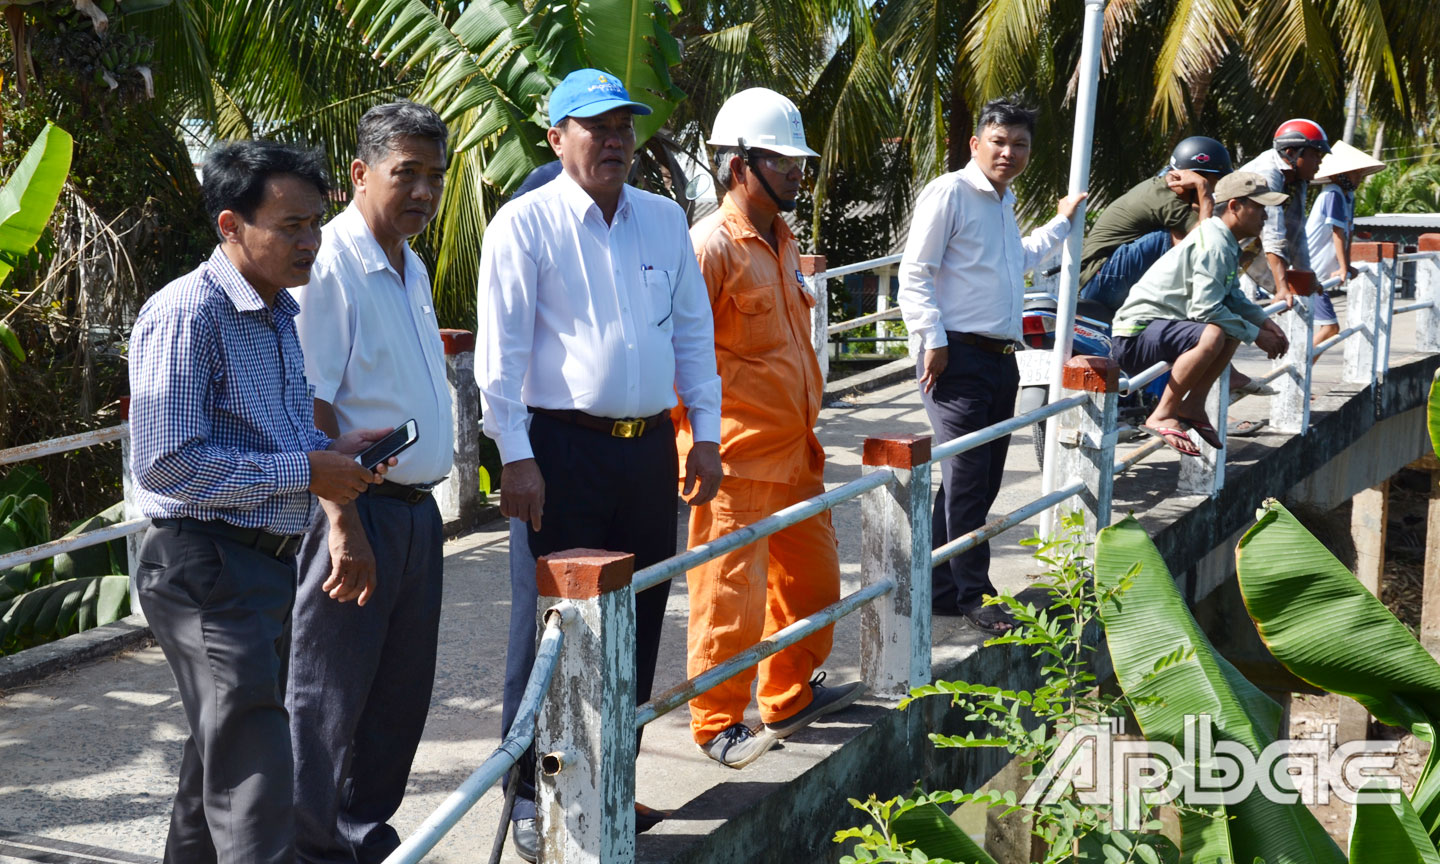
(826, 700)
(738, 746)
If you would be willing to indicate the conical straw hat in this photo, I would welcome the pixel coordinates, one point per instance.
(1343, 159)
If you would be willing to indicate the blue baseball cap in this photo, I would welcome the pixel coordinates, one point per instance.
(589, 92)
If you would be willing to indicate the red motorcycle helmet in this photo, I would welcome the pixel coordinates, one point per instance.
(1301, 133)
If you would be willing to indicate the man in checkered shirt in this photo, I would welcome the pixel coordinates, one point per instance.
(228, 460)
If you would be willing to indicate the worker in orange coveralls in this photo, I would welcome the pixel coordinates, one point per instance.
(771, 386)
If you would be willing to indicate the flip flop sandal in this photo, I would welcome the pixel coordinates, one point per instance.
(1245, 428)
(1206, 432)
(1254, 388)
(989, 619)
(1175, 439)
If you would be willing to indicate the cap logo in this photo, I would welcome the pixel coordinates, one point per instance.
(1202, 158)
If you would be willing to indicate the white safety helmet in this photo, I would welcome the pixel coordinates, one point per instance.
(765, 119)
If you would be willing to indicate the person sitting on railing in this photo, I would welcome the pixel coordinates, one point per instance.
(226, 456)
(1134, 230)
(772, 392)
(1188, 310)
(592, 317)
(962, 286)
(1331, 224)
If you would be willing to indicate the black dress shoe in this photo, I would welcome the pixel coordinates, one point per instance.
(526, 839)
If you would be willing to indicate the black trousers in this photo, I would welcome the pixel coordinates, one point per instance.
(220, 611)
(360, 682)
(977, 389)
(601, 492)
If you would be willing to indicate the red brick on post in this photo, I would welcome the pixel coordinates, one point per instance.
(1086, 439)
(124, 409)
(1428, 243)
(812, 264)
(1091, 374)
(897, 451)
(583, 574)
(1372, 252)
(457, 341)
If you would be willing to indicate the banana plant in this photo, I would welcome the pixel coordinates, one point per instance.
(1169, 670)
(1328, 629)
(1433, 413)
(26, 202)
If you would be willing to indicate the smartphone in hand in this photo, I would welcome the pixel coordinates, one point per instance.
(395, 443)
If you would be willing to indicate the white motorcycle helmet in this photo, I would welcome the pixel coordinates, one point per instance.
(765, 120)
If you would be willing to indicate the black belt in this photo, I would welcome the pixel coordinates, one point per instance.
(984, 343)
(411, 495)
(622, 428)
(274, 545)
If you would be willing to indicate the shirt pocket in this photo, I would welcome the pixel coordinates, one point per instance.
(660, 295)
(756, 326)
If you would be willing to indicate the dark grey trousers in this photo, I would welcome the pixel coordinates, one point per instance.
(360, 682)
(219, 610)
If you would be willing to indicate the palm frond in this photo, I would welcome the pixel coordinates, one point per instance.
(1279, 34)
(1366, 44)
(1001, 37)
(1200, 34)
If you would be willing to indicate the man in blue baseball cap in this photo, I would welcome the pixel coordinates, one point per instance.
(593, 316)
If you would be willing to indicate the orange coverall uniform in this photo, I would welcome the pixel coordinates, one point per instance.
(771, 394)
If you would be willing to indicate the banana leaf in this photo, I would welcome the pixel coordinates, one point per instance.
(11, 342)
(1169, 670)
(1433, 413)
(62, 608)
(1328, 629)
(28, 197)
(1389, 833)
(25, 480)
(101, 560)
(936, 834)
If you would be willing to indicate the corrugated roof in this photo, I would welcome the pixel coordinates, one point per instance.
(1399, 220)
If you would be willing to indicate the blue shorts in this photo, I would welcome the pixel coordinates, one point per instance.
(1111, 284)
(1162, 339)
(1323, 310)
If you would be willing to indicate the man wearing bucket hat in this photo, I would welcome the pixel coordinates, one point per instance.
(772, 459)
(1287, 167)
(1188, 310)
(592, 317)
(1331, 223)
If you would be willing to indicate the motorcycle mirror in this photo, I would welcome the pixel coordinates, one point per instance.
(698, 186)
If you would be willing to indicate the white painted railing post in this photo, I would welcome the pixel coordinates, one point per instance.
(1087, 437)
(1205, 474)
(895, 544)
(458, 495)
(1385, 315)
(131, 509)
(1362, 307)
(585, 735)
(1427, 289)
(1290, 406)
(812, 268)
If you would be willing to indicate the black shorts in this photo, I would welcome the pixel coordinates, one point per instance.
(1162, 339)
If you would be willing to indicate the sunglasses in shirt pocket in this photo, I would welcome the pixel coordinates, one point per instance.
(660, 294)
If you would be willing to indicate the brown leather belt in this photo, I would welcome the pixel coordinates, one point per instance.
(411, 495)
(633, 428)
(274, 545)
(984, 343)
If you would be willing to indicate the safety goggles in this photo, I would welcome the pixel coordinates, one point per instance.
(782, 164)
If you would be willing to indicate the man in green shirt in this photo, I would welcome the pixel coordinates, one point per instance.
(1141, 225)
(1188, 310)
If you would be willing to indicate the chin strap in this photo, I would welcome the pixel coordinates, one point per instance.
(1344, 183)
(751, 160)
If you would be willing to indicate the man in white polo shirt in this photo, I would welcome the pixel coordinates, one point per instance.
(361, 672)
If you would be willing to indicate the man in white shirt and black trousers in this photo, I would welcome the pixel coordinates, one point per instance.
(362, 671)
(961, 292)
(592, 316)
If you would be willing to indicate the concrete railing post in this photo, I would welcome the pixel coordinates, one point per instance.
(1290, 406)
(1385, 315)
(812, 268)
(1427, 288)
(895, 544)
(1087, 438)
(585, 734)
(458, 495)
(1205, 474)
(1362, 308)
(132, 508)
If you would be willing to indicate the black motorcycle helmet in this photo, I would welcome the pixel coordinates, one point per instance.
(1198, 153)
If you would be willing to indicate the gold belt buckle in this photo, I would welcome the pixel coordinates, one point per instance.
(628, 428)
(1009, 348)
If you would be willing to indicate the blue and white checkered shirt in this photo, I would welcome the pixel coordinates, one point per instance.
(220, 415)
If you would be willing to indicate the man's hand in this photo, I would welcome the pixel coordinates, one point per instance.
(702, 472)
(936, 359)
(1277, 274)
(337, 477)
(1070, 203)
(1272, 341)
(352, 563)
(354, 442)
(522, 492)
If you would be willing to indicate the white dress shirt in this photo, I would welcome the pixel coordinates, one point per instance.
(611, 320)
(372, 345)
(964, 263)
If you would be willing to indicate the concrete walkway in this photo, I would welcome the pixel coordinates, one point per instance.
(89, 757)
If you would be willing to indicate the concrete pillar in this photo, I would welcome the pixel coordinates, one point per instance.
(1362, 308)
(1430, 606)
(1087, 439)
(585, 735)
(132, 507)
(895, 544)
(1427, 287)
(1368, 512)
(1290, 406)
(458, 495)
(1385, 315)
(1205, 474)
(812, 268)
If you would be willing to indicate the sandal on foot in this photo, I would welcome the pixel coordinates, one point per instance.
(991, 620)
(1206, 432)
(1175, 439)
(1244, 428)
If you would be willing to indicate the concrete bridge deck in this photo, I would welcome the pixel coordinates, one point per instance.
(88, 758)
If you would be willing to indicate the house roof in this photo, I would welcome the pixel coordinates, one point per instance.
(1399, 220)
